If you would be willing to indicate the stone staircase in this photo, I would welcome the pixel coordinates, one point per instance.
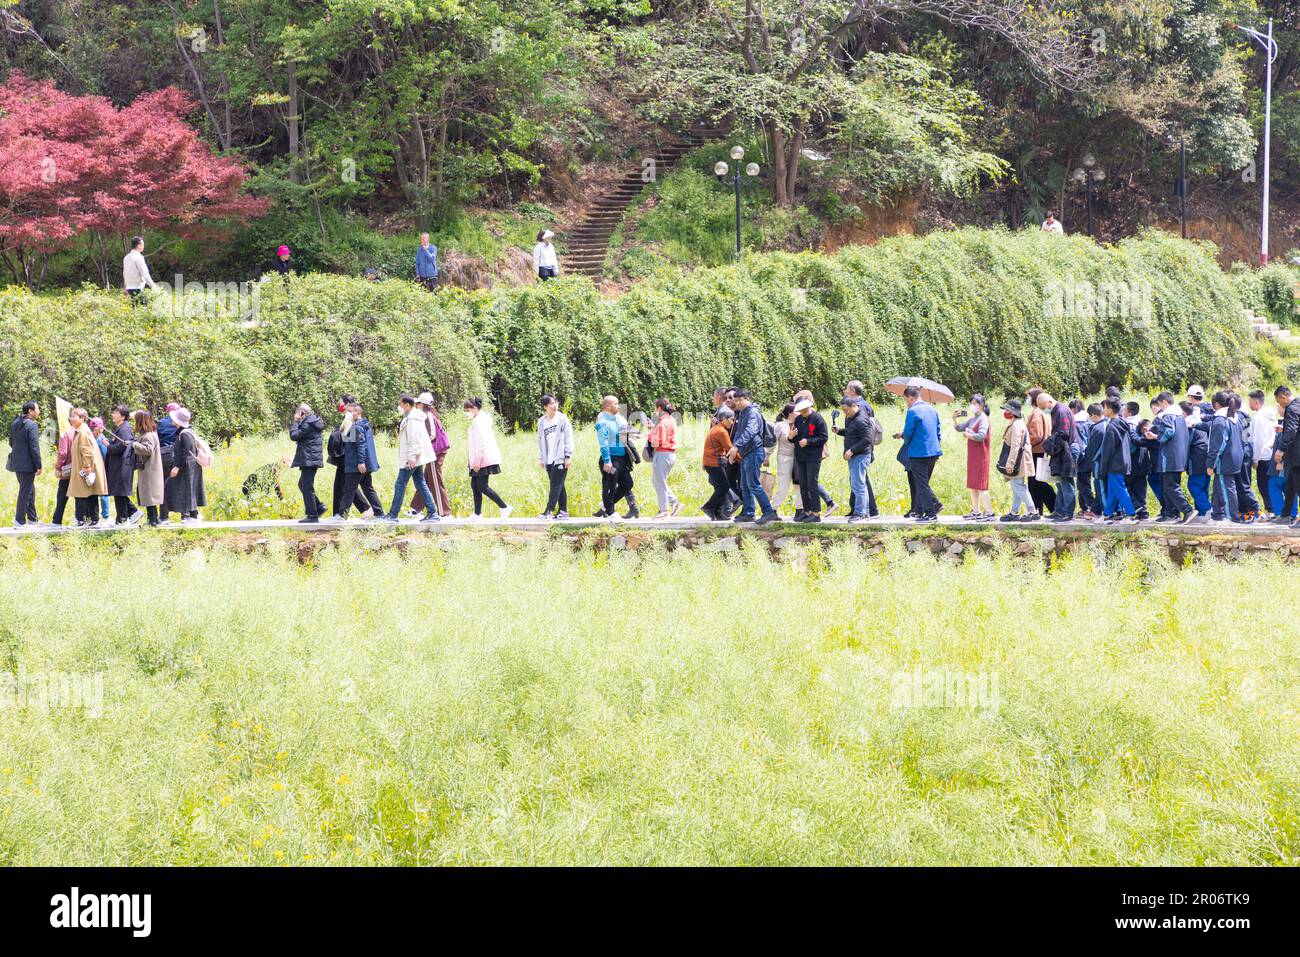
(1264, 329)
(587, 243)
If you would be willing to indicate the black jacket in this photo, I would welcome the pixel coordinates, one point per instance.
(1115, 453)
(119, 461)
(857, 434)
(1092, 453)
(24, 446)
(309, 435)
(813, 428)
(1059, 445)
(1288, 440)
(334, 447)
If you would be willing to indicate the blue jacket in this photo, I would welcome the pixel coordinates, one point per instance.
(1198, 456)
(426, 262)
(24, 446)
(1116, 454)
(921, 431)
(1227, 452)
(166, 432)
(747, 433)
(1090, 461)
(360, 449)
(1174, 442)
(609, 436)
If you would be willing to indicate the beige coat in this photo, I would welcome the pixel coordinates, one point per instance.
(86, 457)
(1017, 437)
(148, 458)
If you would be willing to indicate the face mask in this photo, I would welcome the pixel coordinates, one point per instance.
(1008, 416)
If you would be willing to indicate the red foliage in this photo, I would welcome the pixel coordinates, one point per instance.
(75, 166)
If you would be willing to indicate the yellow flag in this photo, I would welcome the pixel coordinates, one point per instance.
(61, 409)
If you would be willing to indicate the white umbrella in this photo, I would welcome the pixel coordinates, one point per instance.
(930, 391)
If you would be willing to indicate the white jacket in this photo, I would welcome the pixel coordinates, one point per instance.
(135, 271)
(1263, 433)
(480, 444)
(413, 442)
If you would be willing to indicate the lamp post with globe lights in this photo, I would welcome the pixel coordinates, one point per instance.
(720, 169)
(1085, 176)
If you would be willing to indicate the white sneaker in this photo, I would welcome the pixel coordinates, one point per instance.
(505, 512)
(830, 510)
(105, 523)
(134, 518)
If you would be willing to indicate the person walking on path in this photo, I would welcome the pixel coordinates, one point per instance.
(484, 457)
(25, 462)
(414, 452)
(716, 446)
(748, 451)
(1263, 435)
(433, 471)
(545, 263)
(135, 271)
(307, 431)
(119, 462)
(662, 442)
(974, 424)
(1227, 455)
(854, 389)
(555, 455)
(1286, 453)
(616, 483)
(426, 263)
(822, 492)
(809, 436)
(185, 494)
(1016, 463)
(1039, 425)
(360, 464)
(857, 452)
(87, 481)
(105, 501)
(922, 444)
(1116, 461)
(1173, 449)
(1062, 462)
(148, 465)
(1198, 458)
(63, 472)
(784, 426)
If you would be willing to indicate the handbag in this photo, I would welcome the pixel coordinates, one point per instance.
(1043, 470)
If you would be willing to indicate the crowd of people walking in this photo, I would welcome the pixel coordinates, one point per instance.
(1222, 460)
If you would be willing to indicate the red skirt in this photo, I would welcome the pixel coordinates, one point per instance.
(977, 466)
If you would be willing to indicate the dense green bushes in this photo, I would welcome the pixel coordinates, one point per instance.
(980, 310)
(313, 339)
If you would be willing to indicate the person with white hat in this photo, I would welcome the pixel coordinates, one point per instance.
(433, 471)
(544, 261)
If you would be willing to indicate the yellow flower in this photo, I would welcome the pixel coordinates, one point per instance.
(344, 779)
(280, 756)
(227, 800)
(277, 786)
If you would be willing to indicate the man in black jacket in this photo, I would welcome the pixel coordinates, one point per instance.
(857, 452)
(1286, 452)
(25, 462)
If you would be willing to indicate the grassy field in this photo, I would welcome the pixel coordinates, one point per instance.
(488, 704)
(523, 483)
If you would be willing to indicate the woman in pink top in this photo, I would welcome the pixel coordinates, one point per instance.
(663, 443)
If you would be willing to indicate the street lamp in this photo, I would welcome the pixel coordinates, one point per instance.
(720, 170)
(1270, 48)
(1086, 175)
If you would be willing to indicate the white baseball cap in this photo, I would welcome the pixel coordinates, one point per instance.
(802, 404)
(425, 399)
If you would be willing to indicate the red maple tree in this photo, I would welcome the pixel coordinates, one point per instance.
(78, 168)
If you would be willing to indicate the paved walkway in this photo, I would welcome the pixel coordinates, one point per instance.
(1265, 529)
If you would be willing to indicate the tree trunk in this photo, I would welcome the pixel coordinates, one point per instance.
(294, 175)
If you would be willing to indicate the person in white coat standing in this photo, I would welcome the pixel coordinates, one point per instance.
(544, 260)
(135, 271)
(414, 452)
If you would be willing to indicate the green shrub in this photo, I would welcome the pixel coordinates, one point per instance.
(980, 310)
(314, 337)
